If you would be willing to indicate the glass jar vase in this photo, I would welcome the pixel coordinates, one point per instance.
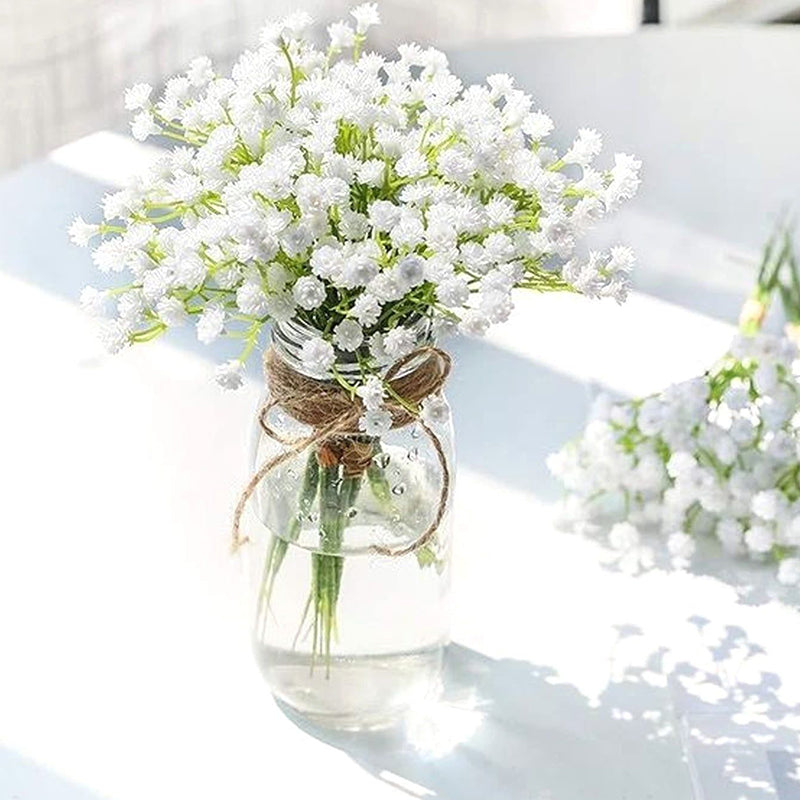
(350, 566)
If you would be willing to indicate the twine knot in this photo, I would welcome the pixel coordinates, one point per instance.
(354, 454)
(333, 413)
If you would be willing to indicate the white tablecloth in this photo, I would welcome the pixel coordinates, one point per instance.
(125, 670)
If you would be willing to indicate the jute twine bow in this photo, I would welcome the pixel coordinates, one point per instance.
(332, 414)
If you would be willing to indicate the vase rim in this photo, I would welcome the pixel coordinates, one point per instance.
(289, 337)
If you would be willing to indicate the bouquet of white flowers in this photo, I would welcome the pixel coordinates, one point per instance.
(361, 200)
(716, 454)
(352, 192)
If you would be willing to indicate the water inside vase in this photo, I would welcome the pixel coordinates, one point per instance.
(385, 650)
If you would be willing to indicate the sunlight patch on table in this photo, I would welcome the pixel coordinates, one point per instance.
(105, 156)
(634, 349)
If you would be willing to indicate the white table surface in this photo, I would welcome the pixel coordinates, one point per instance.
(125, 670)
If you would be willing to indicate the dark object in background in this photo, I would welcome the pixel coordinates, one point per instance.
(650, 12)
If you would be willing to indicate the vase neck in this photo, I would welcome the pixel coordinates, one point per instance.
(289, 337)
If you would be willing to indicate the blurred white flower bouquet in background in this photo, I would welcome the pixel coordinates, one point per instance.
(362, 206)
(716, 455)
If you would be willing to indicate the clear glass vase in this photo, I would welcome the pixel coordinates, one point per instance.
(351, 607)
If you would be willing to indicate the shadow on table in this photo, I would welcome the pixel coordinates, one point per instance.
(23, 779)
(741, 737)
(510, 413)
(755, 582)
(510, 729)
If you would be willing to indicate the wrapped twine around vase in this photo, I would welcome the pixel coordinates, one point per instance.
(333, 413)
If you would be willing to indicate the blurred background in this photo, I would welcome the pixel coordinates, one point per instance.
(704, 91)
(65, 63)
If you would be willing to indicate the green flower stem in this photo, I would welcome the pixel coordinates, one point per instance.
(149, 333)
(337, 495)
(324, 566)
(279, 544)
(292, 72)
(777, 252)
(380, 487)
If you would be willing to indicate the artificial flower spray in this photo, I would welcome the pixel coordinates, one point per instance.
(717, 455)
(359, 207)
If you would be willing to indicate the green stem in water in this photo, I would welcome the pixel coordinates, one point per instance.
(376, 476)
(338, 493)
(324, 566)
(280, 544)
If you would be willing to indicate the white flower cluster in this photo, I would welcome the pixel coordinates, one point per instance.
(719, 454)
(350, 192)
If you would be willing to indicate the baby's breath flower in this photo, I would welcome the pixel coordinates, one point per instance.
(767, 504)
(625, 180)
(537, 125)
(211, 323)
(501, 85)
(81, 233)
(296, 24)
(111, 254)
(372, 393)
(709, 455)
(114, 335)
(144, 125)
(623, 536)
(172, 312)
(230, 375)
(453, 292)
(681, 546)
(341, 35)
(138, 96)
(730, 532)
(759, 539)
(399, 342)
(496, 304)
(371, 172)
(118, 205)
(250, 299)
(384, 215)
(280, 307)
(765, 378)
(348, 335)
(366, 15)
(309, 292)
(411, 164)
(435, 410)
(200, 71)
(586, 146)
(357, 271)
(190, 271)
(130, 307)
(789, 572)
(318, 356)
(410, 271)
(474, 323)
(377, 349)
(94, 301)
(366, 309)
